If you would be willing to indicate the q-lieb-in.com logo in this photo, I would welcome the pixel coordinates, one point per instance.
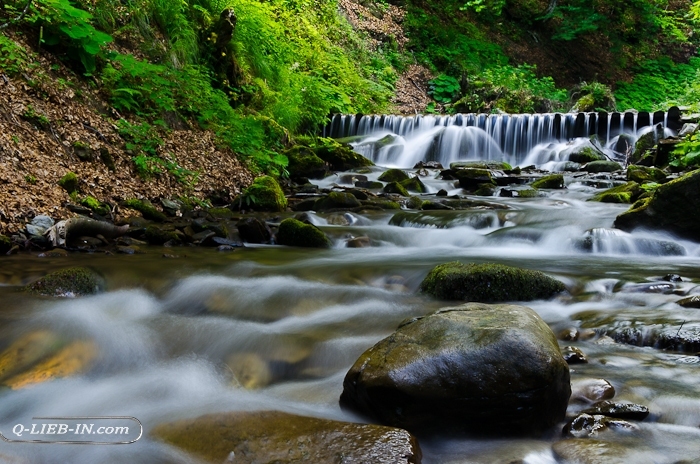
(77, 430)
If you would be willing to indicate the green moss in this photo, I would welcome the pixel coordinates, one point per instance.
(528, 193)
(414, 184)
(393, 175)
(341, 157)
(265, 194)
(74, 281)
(303, 162)
(415, 203)
(485, 190)
(586, 155)
(602, 166)
(488, 283)
(69, 182)
(220, 213)
(156, 235)
(555, 181)
(295, 233)
(395, 187)
(94, 204)
(472, 178)
(642, 174)
(146, 209)
(337, 200)
(626, 193)
(383, 204)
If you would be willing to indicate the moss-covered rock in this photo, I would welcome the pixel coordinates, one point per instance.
(295, 233)
(474, 368)
(642, 174)
(382, 204)
(626, 193)
(74, 281)
(337, 200)
(488, 165)
(485, 190)
(414, 184)
(472, 178)
(554, 181)
(373, 185)
(220, 213)
(5, 244)
(278, 437)
(147, 210)
(415, 203)
(69, 182)
(393, 175)
(95, 205)
(673, 206)
(488, 283)
(157, 235)
(341, 157)
(602, 166)
(303, 162)
(265, 194)
(585, 155)
(396, 187)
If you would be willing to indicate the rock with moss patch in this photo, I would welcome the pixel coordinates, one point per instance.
(95, 205)
(278, 437)
(626, 193)
(382, 204)
(369, 184)
(393, 175)
(554, 181)
(472, 178)
(146, 208)
(303, 162)
(414, 184)
(436, 373)
(414, 203)
(673, 206)
(586, 154)
(70, 282)
(340, 156)
(159, 235)
(69, 182)
(486, 190)
(295, 233)
(642, 174)
(602, 166)
(396, 187)
(488, 165)
(220, 213)
(265, 194)
(337, 200)
(488, 283)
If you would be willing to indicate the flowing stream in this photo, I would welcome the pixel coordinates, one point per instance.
(182, 337)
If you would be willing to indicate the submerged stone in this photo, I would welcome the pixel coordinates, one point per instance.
(436, 373)
(278, 437)
(488, 283)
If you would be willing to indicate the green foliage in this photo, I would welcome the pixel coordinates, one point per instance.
(659, 84)
(30, 179)
(39, 120)
(13, 58)
(444, 89)
(492, 8)
(687, 153)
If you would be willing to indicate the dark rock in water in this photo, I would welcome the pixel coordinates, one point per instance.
(485, 190)
(414, 203)
(436, 373)
(602, 166)
(472, 178)
(586, 425)
(672, 278)
(265, 194)
(393, 175)
(352, 179)
(619, 410)
(441, 193)
(414, 184)
(254, 230)
(673, 206)
(303, 162)
(428, 165)
(645, 142)
(488, 283)
(359, 194)
(592, 390)
(359, 242)
(70, 282)
(690, 302)
(203, 236)
(337, 200)
(488, 165)
(126, 250)
(372, 185)
(278, 437)
(220, 213)
(396, 187)
(617, 241)
(642, 174)
(519, 193)
(555, 181)
(305, 205)
(157, 235)
(586, 154)
(573, 355)
(625, 144)
(295, 233)
(626, 193)
(220, 241)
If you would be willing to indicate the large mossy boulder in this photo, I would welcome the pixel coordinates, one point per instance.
(472, 178)
(673, 206)
(602, 166)
(554, 181)
(293, 232)
(393, 175)
(642, 174)
(475, 368)
(397, 188)
(339, 156)
(337, 200)
(586, 154)
(488, 283)
(303, 162)
(626, 193)
(277, 437)
(146, 208)
(69, 282)
(265, 194)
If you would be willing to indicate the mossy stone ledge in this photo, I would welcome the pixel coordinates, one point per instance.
(265, 194)
(69, 282)
(293, 232)
(488, 283)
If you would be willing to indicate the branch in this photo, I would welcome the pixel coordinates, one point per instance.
(18, 18)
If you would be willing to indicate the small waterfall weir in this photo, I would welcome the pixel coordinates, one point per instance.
(545, 140)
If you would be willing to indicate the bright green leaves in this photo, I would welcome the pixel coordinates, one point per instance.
(687, 152)
(444, 89)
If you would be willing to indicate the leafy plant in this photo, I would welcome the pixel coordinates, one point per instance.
(687, 153)
(444, 89)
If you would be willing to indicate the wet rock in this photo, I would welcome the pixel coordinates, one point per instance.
(488, 283)
(372, 185)
(436, 373)
(590, 451)
(303, 162)
(277, 437)
(428, 165)
(69, 182)
(519, 193)
(5, 244)
(225, 248)
(488, 165)
(586, 154)
(295, 233)
(126, 250)
(352, 179)
(201, 237)
(397, 188)
(70, 282)
(340, 156)
(592, 390)
(690, 302)
(220, 213)
(337, 200)
(644, 143)
(172, 207)
(626, 193)
(359, 194)
(619, 410)
(573, 334)
(472, 178)
(147, 210)
(393, 175)
(158, 235)
(56, 253)
(254, 230)
(130, 241)
(39, 225)
(672, 278)
(586, 425)
(485, 190)
(555, 181)
(414, 203)
(359, 242)
(250, 370)
(441, 193)
(602, 166)
(435, 206)
(221, 241)
(414, 184)
(673, 206)
(382, 204)
(573, 355)
(265, 194)
(642, 174)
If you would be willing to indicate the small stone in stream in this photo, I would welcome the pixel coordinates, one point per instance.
(652, 287)
(573, 355)
(126, 250)
(359, 242)
(569, 334)
(372, 185)
(166, 255)
(225, 248)
(130, 241)
(441, 193)
(592, 390)
(226, 242)
(690, 302)
(254, 230)
(352, 178)
(69, 282)
(428, 165)
(57, 253)
(672, 278)
(619, 410)
(203, 236)
(586, 425)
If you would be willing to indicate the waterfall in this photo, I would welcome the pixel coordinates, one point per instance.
(518, 139)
